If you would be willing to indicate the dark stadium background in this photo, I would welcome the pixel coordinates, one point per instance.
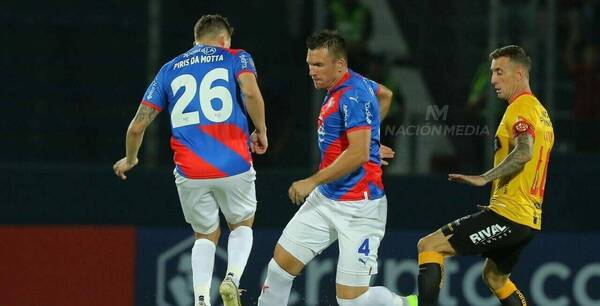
(73, 73)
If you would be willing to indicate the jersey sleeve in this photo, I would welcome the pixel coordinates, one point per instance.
(244, 63)
(374, 85)
(519, 120)
(356, 111)
(155, 97)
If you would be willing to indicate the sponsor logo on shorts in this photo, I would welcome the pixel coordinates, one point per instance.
(490, 234)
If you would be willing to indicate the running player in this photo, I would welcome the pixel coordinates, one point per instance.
(209, 91)
(501, 230)
(346, 201)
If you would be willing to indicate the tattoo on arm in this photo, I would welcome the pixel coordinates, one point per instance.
(515, 161)
(145, 115)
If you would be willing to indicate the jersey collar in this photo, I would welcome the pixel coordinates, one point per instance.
(339, 83)
(521, 94)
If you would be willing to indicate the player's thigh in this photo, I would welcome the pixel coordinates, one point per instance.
(236, 196)
(436, 242)
(508, 249)
(474, 234)
(309, 232)
(361, 227)
(198, 204)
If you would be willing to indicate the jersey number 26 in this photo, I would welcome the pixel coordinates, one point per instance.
(207, 94)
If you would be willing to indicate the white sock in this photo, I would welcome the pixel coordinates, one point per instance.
(203, 261)
(277, 287)
(375, 296)
(238, 251)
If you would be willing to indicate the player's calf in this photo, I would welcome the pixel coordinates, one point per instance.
(432, 250)
(430, 277)
(277, 286)
(511, 296)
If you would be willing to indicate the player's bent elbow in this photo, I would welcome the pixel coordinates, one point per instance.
(249, 95)
(525, 157)
(529, 156)
(388, 94)
(251, 98)
(385, 95)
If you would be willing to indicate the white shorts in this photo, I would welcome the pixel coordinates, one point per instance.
(201, 200)
(359, 227)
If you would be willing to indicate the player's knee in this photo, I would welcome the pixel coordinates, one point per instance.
(213, 236)
(424, 245)
(287, 261)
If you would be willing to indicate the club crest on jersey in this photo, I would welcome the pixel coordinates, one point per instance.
(208, 50)
(321, 132)
(521, 126)
(329, 104)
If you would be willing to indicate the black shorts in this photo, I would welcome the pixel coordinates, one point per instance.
(490, 235)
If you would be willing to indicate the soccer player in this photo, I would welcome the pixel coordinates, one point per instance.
(209, 91)
(346, 201)
(501, 230)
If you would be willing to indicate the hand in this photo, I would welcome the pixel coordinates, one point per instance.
(300, 190)
(385, 152)
(259, 142)
(122, 166)
(473, 180)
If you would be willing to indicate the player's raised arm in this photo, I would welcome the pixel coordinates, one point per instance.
(135, 134)
(384, 96)
(255, 106)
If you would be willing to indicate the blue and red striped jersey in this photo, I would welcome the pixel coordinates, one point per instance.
(350, 105)
(209, 123)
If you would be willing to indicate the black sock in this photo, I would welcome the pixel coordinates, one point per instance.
(515, 299)
(430, 276)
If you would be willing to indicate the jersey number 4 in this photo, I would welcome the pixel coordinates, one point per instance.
(206, 95)
(364, 248)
